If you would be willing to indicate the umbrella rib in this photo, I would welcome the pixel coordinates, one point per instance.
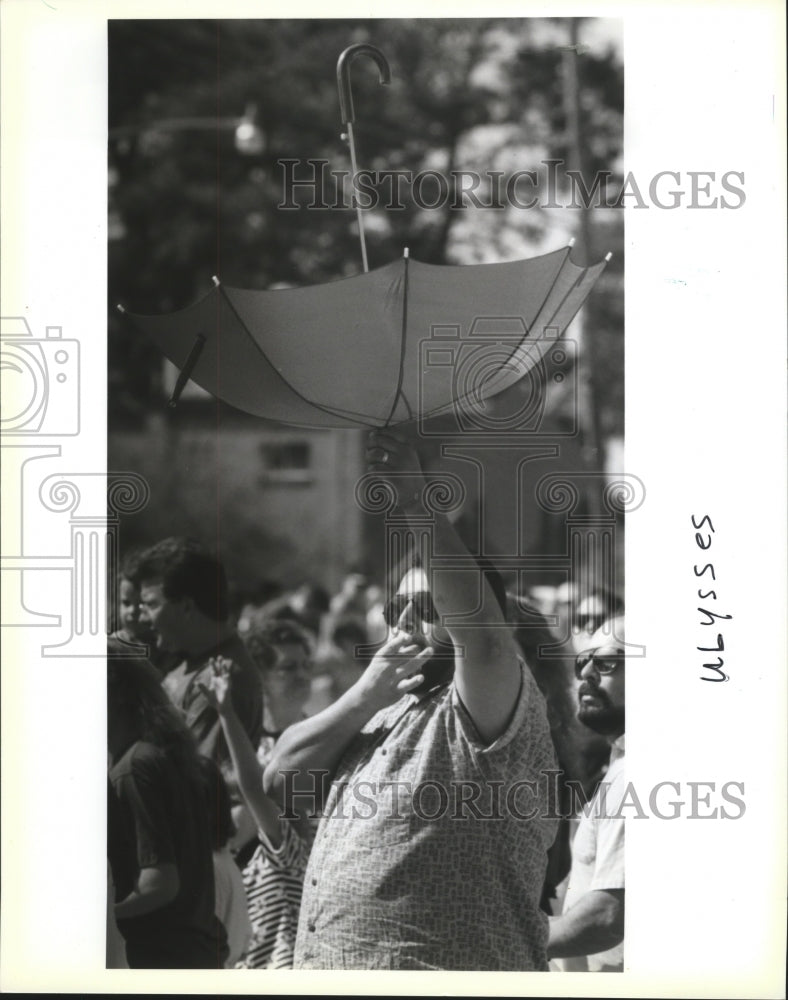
(583, 273)
(404, 332)
(535, 323)
(569, 291)
(558, 308)
(332, 411)
(558, 273)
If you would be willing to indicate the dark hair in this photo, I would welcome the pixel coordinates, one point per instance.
(531, 630)
(185, 569)
(533, 635)
(413, 561)
(279, 632)
(128, 566)
(349, 630)
(134, 693)
(259, 648)
(316, 596)
(612, 602)
(265, 590)
(219, 806)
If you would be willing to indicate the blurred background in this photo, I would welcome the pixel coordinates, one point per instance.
(200, 115)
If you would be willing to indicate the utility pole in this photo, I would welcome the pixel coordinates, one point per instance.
(589, 384)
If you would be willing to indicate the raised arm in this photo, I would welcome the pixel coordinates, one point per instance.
(245, 764)
(306, 756)
(487, 673)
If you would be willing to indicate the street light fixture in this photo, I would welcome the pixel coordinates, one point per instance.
(248, 136)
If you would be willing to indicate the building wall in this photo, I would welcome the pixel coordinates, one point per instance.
(279, 503)
(276, 503)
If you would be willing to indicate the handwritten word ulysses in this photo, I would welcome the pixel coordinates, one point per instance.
(703, 539)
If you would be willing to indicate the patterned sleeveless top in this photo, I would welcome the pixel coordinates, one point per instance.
(432, 850)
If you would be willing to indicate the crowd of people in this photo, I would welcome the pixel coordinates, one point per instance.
(385, 778)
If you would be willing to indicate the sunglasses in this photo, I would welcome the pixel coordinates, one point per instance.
(423, 607)
(602, 664)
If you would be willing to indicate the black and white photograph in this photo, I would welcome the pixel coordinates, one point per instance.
(417, 431)
(380, 392)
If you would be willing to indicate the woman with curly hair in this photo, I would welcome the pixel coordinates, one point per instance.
(159, 830)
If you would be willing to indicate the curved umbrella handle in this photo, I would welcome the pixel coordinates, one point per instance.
(346, 109)
(343, 75)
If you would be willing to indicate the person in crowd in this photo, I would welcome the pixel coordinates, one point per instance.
(159, 830)
(542, 654)
(307, 605)
(274, 877)
(598, 606)
(351, 599)
(395, 880)
(251, 609)
(589, 933)
(582, 754)
(567, 594)
(184, 598)
(282, 651)
(115, 951)
(134, 629)
(310, 603)
(337, 667)
(542, 597)
(376, 626)
(231, 907)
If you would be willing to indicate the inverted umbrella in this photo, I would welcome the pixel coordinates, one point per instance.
(403, 341)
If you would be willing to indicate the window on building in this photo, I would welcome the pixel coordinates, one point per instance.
(286, 462)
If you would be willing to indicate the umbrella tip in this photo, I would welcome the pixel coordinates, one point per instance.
(572, 242)
(406, 251)
(608, 255)
(215, 280)
(120, 308)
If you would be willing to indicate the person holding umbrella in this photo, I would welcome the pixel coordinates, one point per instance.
(432, 847)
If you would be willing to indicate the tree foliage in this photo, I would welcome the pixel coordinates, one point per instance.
(465, 94)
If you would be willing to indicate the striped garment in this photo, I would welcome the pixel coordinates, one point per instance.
(274, 880)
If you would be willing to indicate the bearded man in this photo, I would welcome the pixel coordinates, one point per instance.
(589, 933)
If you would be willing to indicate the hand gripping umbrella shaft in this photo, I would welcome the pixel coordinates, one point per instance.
(348, 114)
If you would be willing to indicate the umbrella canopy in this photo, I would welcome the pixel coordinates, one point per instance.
(403, 341)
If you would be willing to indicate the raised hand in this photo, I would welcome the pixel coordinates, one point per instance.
(217, 691)
(394, 670)
(393, 457)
